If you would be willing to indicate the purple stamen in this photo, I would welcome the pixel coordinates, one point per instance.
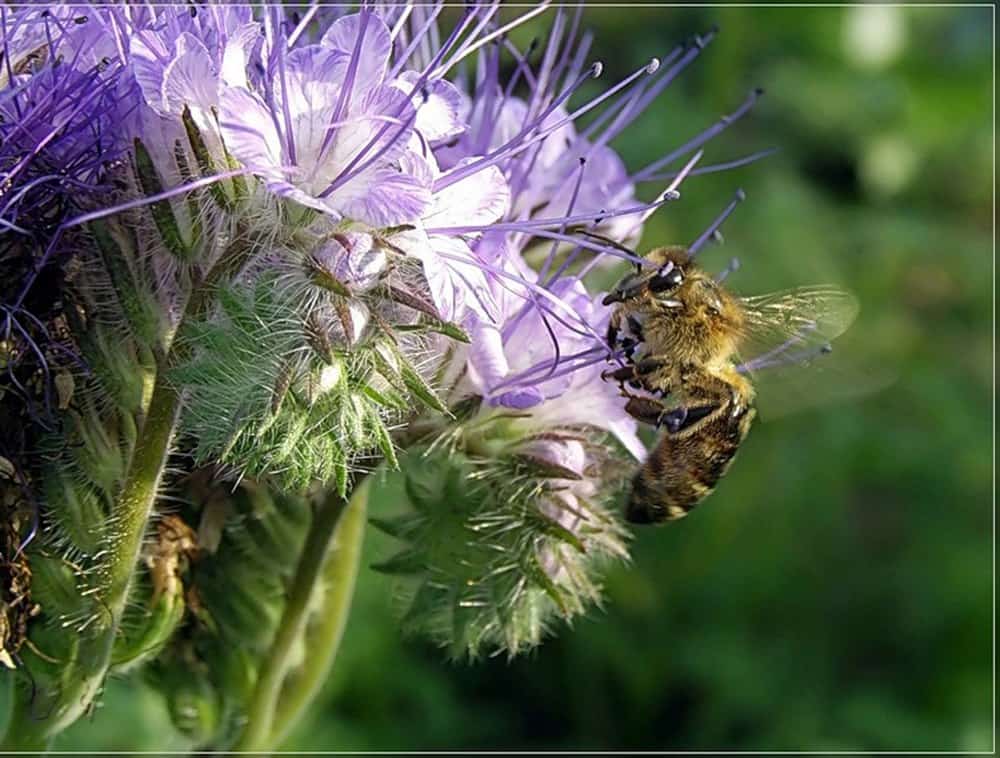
(545, 370)
(486, 103)
(285, 110)
(465, 51)
(523, 68)
(544, 293)
(400, 24)
(404, 57)
(533, 226)
(303, 23)
(509, 150)
(734, 265)
(697, 244)
(562, 228)
(719, 126)
(716, 167)
(344, 101)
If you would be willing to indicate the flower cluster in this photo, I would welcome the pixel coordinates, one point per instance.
(291, 250)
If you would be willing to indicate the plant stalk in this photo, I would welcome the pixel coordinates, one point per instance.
(331, 556)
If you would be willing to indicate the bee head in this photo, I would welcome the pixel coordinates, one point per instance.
(666, 279)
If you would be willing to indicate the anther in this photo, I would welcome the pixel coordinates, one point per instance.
(596, 69)
(654, 65)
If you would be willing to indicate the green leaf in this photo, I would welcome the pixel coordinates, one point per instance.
(416, 384)
(407, 562)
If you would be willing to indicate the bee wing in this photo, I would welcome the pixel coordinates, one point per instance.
(795, 319)
(787, 350)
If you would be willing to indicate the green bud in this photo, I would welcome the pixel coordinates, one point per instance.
(503, 533)
(149, 624)
(161, 210)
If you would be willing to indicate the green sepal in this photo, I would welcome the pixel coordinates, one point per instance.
(387, 398)
(138, 645)
(540, 577)
(407, 562)
(161, 210)
(240, 189)
(546, 469)
(447, 328)
(116, 249)
(191, 198)
(385, 443)
(416, 384)
(326, 280)
(552, 528)
(206, 165)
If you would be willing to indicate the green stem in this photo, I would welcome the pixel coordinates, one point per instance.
(330, 556)
(135, 504)
(83, 679)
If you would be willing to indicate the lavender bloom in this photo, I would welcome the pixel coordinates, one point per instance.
(528, 362)
(305, 247)
(328, 130)
(182, 60)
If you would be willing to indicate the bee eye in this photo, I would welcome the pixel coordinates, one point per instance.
(668, 278)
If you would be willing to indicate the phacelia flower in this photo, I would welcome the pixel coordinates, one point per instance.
(284, 249)
(328, 130)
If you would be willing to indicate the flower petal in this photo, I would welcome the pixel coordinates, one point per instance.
(487, 360)
(189, 78)
(250, 133)
(372, 58)
(439, 116)
(477, 200)
(382, 197)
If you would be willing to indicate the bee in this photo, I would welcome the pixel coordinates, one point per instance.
(685, 340)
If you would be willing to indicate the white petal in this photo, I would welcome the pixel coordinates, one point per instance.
(375, 48)
(249, 132)
(487, 361)
(477, 200)
(190, 78)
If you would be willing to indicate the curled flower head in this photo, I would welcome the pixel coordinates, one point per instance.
(305, 247)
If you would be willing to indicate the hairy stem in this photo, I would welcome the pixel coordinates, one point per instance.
(135, 504)
(83, 679)
(330, 556)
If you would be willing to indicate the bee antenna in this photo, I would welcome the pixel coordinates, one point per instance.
(608, 241)
(714, 226)
(734, 265)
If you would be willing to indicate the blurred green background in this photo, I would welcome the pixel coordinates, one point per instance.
(835, 592)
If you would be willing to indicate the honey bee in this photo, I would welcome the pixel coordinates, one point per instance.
(685, 340)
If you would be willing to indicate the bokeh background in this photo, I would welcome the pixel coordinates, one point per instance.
(835, 592)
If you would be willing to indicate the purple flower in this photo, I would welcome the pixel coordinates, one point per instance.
(548, 361)
(185, 60)
(328, 131)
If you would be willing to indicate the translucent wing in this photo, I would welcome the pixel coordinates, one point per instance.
(787, 349)
(782, 324)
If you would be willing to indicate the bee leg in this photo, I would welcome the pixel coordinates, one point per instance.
(634, 373)
(645, 409)
(635, 326)
(612, 336)
(679, 419)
